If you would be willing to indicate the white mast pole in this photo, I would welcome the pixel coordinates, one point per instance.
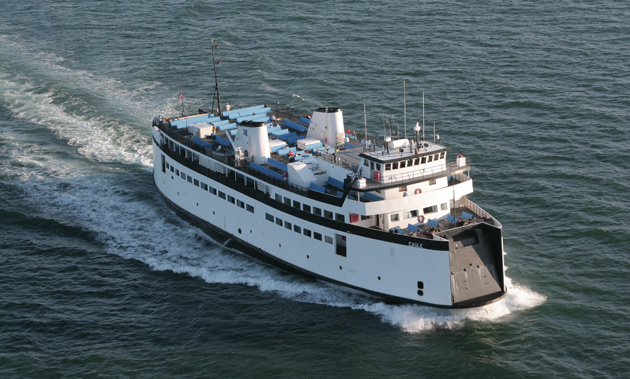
(365, 124)
(405, 106)
(423, 114)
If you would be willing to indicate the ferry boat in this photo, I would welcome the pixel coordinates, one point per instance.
(387, 216)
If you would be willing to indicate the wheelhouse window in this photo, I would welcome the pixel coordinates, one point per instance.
(394, 217)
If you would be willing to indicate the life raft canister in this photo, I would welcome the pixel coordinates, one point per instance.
(421, 218)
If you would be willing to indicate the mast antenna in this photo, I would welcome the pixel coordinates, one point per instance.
(216, 78)
(181, 98)
(405, 106)
(365, 124)
(423, 114)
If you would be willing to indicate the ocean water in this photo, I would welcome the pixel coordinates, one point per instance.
(99, 279)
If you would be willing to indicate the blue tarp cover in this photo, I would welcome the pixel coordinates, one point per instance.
(317, 187)
(294, 125)
(276, 164)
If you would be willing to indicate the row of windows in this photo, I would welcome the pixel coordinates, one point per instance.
(414, 213)
(406, 163)
(313, 210)
(298, 229)
(212, 190)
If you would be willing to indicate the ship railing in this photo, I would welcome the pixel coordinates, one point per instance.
(480, 212)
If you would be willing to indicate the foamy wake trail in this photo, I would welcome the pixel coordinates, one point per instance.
(414, 318)
(104, 120)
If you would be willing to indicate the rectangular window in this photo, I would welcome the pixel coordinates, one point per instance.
(402, 164)
(287, 201)
(204, 186)
(307, 232)
(297, 204)
(328, 239)
(231, 199)
(297, 229)
(432, 182)
(394, 217)
(431, 209)
(317, 236)
(388, 166)
(339, 217)
(430, 158)
(222, 195)
(269, 217)
(196, 182)
(410, 214)
(240, 203)
(190, 179)
(249, 208)
(444, 206)
(279, 197)
(212, 190)
(172, 169)
(278, 221)
(416, 161)
(328, 214)
(317, 211)
(424, 160)
(288, 225)
(177, 172)
(378, 167)
(366, 163)
(168, 166)
(363, 218)
(402, 189)
(306, 208)
(183, 176)
(442, 155)
(436, 157)
(395, 166)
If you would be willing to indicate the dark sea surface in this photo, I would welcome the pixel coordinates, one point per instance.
(99, 279)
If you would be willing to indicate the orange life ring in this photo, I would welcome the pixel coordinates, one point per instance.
(417, 191)
(421, 218)
(246, 153)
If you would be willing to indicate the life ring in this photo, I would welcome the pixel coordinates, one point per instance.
(417, 191)
(421, 218)
(246, 153)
